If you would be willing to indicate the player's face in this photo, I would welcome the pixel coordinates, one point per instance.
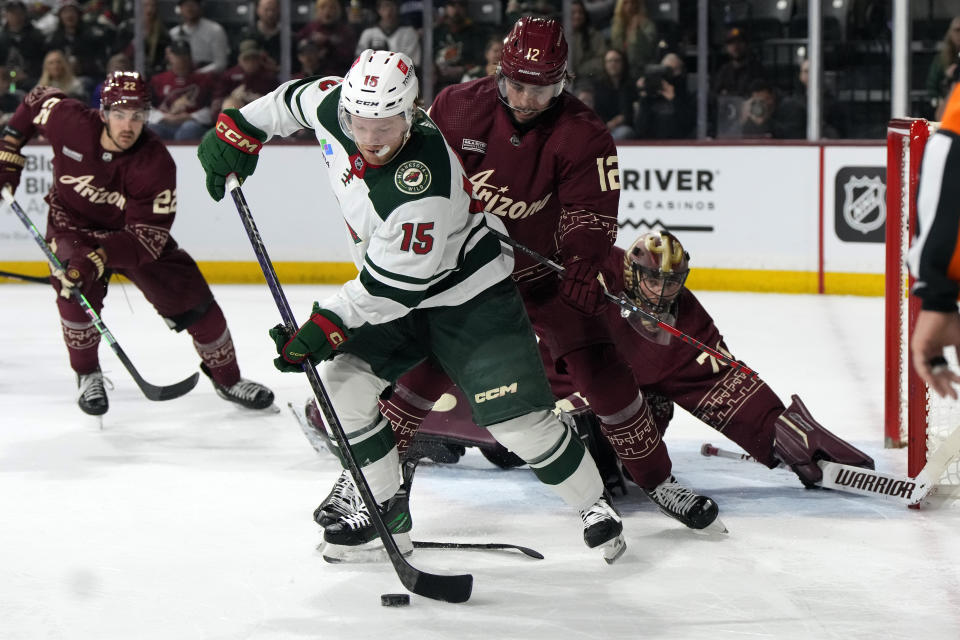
(124, 126)
(378, 139)
(528, 100)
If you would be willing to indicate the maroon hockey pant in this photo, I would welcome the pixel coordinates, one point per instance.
(178, 291)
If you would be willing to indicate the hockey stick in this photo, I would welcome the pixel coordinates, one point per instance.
(318, 439)
(867, 482)
(450, 588)
(489, 546)
(547, 262)
(24, 277)
(151, 391)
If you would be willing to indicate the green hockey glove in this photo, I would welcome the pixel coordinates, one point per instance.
(317, 339)
(232, 146)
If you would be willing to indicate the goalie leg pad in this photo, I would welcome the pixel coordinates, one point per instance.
(556, 455)
(800, 441)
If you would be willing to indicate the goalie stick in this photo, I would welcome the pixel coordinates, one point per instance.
(867, 482)
(151, 391)
(624, 304)
(449, 588)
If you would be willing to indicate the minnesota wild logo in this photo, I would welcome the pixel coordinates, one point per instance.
(412, 177)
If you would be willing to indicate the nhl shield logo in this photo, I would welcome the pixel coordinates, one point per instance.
(412, 177)
(860, 201)
(864, 208)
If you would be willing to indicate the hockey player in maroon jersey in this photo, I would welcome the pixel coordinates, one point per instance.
(112, 203)
(545, 163)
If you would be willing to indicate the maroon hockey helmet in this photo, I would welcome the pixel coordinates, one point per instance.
(535, 52)
(655, 268)
(125, 89)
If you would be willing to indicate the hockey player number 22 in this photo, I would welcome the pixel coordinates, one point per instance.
(416, 237)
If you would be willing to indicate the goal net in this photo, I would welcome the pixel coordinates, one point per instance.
(914, 417)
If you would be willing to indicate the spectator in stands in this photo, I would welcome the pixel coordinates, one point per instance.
(308, 54)
(21, 44)
(85, 45)
(58, 72)
(361, 14)
(117, 62)
(735, 76)
(635, 34)
(181, 97)
(156, 38)
(333, 36)
(208, 39)
(389, 34)
(759, 115)
(942, 67)
(516, 9)
(9, 100)
(614, 95)
(247, 81)
(792, 112)
(458, 42)
(665, 108)
(266, 31)
(586, 45)
(491, 56)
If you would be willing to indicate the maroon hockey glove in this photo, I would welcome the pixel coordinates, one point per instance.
(11, 165)
(317, 339)
(799, 441)
(580, 287)
(232, 146)
(82, 266)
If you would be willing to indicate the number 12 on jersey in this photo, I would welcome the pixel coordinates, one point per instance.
(609, 178)
(417, 237)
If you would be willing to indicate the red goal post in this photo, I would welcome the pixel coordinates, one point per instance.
(913, 416)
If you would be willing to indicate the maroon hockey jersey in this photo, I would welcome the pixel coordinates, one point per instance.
(125, 202)
(555, 185)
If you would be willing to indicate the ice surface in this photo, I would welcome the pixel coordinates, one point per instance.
(192, 519)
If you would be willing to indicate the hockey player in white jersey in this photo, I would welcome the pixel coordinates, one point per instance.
(433, 281)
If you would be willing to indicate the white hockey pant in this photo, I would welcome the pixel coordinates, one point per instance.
(555, 454)
(354, 390)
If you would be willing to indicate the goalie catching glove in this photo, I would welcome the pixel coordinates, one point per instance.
(317, 339)
(232, 146)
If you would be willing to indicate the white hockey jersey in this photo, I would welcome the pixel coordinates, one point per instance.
(419, 238)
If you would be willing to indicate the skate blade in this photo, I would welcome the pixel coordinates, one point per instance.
(714, 528)
(613, 549)
(372, 551)
(94, 423)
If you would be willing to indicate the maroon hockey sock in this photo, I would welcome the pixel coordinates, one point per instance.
(80, 336)
(211, 339)
(635, 439)
(412, 399)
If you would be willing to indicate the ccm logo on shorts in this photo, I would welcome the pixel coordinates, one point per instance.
(493, 394)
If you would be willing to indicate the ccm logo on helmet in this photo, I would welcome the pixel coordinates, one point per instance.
(493, 394)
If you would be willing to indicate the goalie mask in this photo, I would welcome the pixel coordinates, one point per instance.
(534, 53)
(655, 268)
(380, 84)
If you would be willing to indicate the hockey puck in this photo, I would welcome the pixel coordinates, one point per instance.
(394, 599)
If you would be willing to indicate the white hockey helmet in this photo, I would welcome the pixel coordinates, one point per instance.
(380, 84)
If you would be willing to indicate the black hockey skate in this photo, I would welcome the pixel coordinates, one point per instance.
(602, 527)
(93, 396)
(338, 503)
(693, 510)
(353, 536)
(246, 393)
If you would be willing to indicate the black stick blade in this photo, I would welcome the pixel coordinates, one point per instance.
(436, 587)
(171, 391)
